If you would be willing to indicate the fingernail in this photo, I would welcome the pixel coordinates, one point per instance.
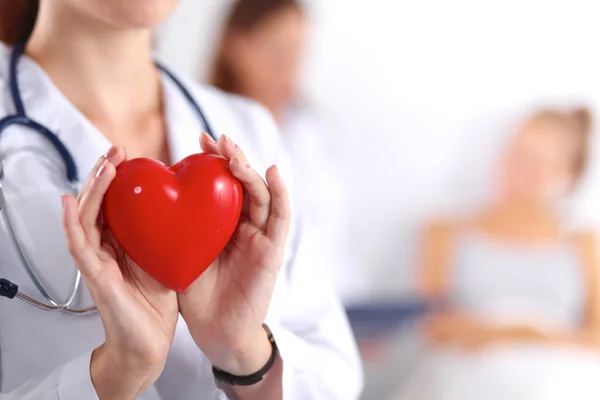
(210, 139)
(101, 171)
(229, 141)
(111, 152)
(63, 197)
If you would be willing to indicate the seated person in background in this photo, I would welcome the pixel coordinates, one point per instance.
(522, 313)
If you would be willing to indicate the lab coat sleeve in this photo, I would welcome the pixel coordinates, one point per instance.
(71, 381)
(320, 358)
(316, 344)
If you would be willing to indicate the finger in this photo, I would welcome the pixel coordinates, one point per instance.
(90, 176)
(230, 150)
(91, 202)
(208, 145)
(80, 248)
(280, 216)
(115, 155)
(256, 189)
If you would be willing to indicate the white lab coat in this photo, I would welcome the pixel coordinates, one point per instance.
(46, 355)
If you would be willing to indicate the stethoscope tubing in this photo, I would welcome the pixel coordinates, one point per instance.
(53, 305)
(20, 118)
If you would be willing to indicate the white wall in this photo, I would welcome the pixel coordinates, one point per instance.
(420, 93)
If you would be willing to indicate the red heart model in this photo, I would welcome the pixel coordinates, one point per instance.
(174, 222)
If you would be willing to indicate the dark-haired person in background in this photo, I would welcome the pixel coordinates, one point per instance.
(252, 327)
(522, 290)
(259, 57)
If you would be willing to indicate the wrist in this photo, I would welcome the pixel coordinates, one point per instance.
(113, 380)
(247, 356)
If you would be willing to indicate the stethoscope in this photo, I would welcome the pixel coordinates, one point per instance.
(20, 118)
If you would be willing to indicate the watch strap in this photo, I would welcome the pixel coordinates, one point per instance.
(252, 379)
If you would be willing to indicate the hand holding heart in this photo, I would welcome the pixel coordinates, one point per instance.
(138, 314)
(224, 309)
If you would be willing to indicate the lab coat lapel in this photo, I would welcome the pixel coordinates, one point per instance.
(45, 104)
(186, 125)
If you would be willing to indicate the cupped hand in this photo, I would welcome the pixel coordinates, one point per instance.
(139, 314)
(226, 307)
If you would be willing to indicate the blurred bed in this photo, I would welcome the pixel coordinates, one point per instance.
(394, 356)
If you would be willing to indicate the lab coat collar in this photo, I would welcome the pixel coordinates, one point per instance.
(47, 105)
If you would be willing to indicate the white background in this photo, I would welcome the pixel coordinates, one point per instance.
(419, 94)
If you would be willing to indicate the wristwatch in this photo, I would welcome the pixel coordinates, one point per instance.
(248, 380)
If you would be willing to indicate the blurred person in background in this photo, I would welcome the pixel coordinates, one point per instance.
(522, 313)
(259, 57)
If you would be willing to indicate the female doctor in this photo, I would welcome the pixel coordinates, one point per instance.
(246, 329)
